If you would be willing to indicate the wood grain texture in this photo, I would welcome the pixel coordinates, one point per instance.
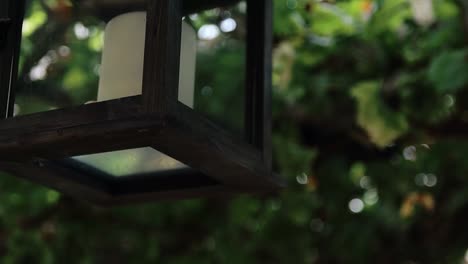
(193, 6)
(122, 124)
(107, 193)
(200, 143)
(5, 10)
(108, 9)
(93, 128)
(259, 67)
(11, 21)
(62, 180)
(162, 55)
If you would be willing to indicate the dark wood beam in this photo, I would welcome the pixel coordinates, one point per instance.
(194, 6)
(11, 20)
(258, 82)
(107, 9)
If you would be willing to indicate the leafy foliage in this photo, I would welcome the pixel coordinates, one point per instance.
(382, 124)
(447, 71)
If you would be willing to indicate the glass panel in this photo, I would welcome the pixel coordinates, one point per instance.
(137, 171)
(70, 56)
(60, 56)
(220, 66)
(131, 162)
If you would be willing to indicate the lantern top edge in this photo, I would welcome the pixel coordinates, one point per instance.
(191, 6)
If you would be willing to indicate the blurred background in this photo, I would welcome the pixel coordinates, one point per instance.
(370, 130)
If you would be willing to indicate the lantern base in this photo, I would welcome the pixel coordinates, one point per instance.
(38, 147)
(102, 190)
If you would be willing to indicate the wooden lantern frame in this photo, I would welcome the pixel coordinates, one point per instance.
(31, 144)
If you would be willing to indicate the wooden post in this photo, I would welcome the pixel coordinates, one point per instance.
(259, 66)
(11, 20)
(162, 55)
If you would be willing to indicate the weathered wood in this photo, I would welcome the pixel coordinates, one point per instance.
(62, 180)
(129, 107)
(214, 151)
(258, 82)
(194, 6)
(5, 10)
(209, 192)
(114, 125)
(118, 191)
(162, 55)
(11, 21)
(108, 9)
(92, 128)
(5, 22)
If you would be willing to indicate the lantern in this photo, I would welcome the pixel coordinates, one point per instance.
(143, 113)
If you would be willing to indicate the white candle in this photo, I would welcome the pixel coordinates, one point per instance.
(121, 73)
(423, 12)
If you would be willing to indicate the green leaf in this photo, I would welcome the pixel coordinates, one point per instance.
(448, 71)
(381, 123)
